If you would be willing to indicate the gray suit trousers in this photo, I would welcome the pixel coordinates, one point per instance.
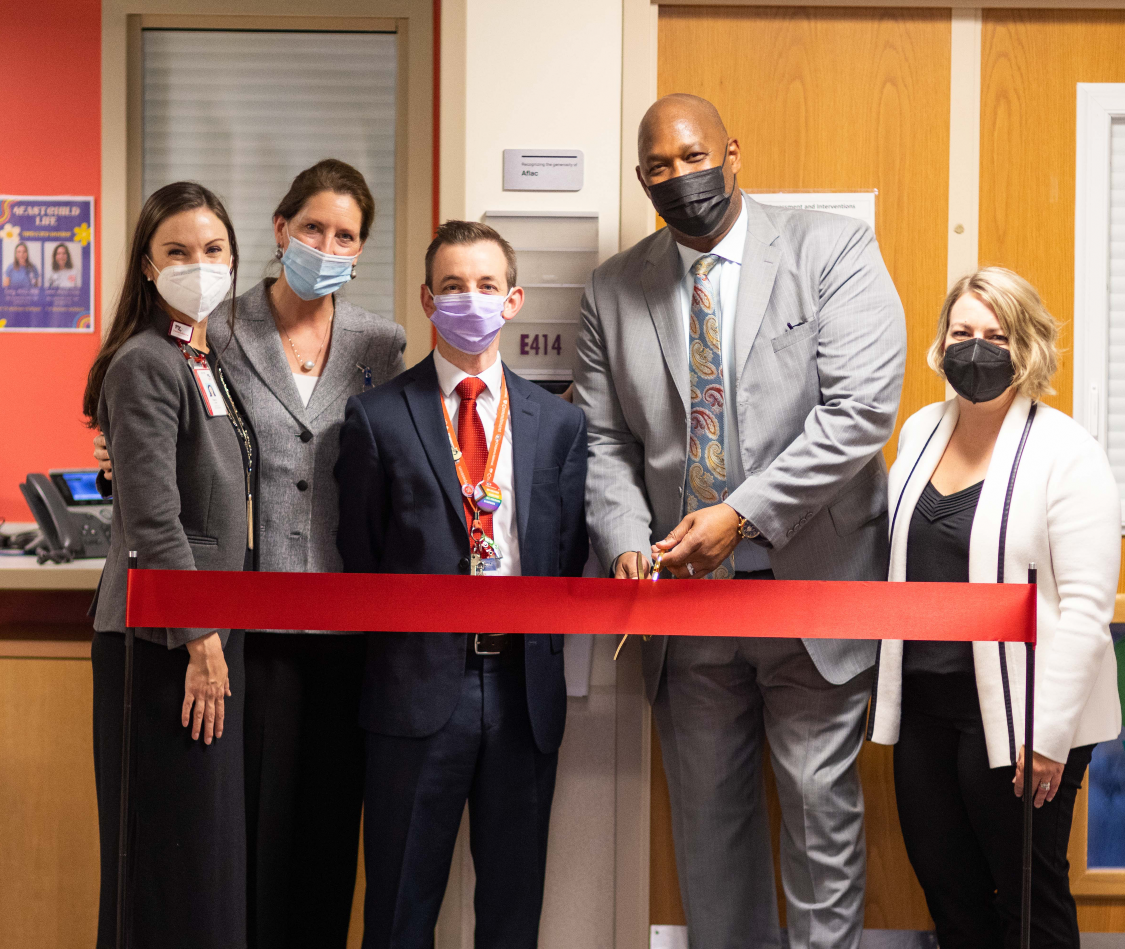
(718, 699)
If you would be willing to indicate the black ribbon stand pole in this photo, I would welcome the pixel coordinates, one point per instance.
(1028, 779)
(126, 760)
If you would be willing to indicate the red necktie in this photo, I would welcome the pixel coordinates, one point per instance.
(470, 437)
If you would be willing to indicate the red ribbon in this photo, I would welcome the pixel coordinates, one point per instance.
(808, 609)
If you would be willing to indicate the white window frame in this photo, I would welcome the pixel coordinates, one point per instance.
(1099, 104)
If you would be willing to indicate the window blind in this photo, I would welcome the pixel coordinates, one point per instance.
(243, 112)
(1116, 349)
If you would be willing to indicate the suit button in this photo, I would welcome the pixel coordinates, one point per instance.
(463, 565)
(306, 436)
(302, 485)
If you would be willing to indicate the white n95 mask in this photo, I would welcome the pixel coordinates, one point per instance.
(193, 289)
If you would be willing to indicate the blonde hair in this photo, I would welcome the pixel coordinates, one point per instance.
(1032, 331)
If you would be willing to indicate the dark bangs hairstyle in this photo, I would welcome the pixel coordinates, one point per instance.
(330, 174)
(138, 295)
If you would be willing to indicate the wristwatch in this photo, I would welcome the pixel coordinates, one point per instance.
(747, 531)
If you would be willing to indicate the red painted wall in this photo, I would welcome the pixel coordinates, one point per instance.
(50, 144)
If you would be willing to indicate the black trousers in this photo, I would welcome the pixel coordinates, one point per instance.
(187, 839)
(416, 793)
(963, 825)
(304, 786)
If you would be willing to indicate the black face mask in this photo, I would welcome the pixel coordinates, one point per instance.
(978, 370)
(694, 204)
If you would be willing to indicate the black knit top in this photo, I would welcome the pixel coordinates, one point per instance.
(937, 550)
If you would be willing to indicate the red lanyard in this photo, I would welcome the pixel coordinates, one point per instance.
(468, 489)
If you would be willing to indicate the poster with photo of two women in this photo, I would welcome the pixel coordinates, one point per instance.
(46, 264)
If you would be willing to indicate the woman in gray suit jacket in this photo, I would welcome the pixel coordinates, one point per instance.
(297, 353)
(186, 459)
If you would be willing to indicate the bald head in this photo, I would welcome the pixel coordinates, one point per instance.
(681, 135)
(680, 113)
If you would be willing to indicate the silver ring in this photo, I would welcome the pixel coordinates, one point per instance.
(690, 570)
(1045, 785)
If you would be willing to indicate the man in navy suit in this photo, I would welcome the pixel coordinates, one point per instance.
(461, 466)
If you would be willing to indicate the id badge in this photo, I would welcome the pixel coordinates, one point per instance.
(209, 388)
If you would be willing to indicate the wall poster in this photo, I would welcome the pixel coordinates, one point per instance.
(857, 204)
(46, 264)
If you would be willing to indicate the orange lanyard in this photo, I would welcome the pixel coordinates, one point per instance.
(467, 486)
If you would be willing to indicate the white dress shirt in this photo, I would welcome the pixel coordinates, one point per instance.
(724, 279)
(504, 519)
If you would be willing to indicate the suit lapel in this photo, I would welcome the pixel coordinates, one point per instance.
(423, 396)
(525, 438)
(919, 474)
(257, 334)
(660, 280)
(984, 542)
(345, 352)
(755, 283)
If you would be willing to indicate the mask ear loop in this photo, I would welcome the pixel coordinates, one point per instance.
(152, 264)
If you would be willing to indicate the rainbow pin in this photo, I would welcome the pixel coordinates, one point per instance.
(487, 497)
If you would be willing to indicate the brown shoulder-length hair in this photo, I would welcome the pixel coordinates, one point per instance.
(330, 174)
(138, 296)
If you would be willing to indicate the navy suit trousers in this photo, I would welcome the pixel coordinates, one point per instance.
(415, 795)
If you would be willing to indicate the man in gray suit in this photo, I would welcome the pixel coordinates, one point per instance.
(740, 371)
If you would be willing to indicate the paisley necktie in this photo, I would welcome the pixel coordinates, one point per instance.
(707, 470)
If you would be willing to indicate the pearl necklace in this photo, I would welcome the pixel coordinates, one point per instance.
(307, 365)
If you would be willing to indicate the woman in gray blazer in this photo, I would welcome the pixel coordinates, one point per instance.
(186, 457)
(297, 353)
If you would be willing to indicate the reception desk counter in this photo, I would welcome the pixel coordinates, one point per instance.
(48, 809)
(43, 607)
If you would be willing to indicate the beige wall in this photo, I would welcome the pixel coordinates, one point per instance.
(504, 86)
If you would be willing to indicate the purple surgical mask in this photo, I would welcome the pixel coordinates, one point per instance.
(469, 321)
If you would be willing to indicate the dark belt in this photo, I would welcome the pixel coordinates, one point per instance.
(766, 574)
(493, 651)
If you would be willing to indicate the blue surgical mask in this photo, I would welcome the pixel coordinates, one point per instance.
(312, 274)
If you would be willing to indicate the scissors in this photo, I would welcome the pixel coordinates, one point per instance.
(656, 565)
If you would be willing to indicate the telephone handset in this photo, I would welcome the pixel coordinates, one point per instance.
(72, 516)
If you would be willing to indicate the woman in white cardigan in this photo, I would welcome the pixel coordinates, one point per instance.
(984, 485)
